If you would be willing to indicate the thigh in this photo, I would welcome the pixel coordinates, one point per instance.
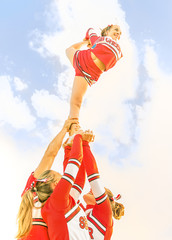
(70, 52)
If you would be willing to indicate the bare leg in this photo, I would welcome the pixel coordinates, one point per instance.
(79, 85)
(79, 88)
(70, 52)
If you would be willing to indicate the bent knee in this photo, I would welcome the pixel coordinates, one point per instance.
(70, 52)
(67, 51)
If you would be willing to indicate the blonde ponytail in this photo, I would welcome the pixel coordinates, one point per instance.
(24, 217)
(117, 208)
(43, 190)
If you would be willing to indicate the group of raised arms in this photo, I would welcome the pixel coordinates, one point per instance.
(51, 206)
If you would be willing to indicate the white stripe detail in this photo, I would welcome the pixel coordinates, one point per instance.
(39, 223)
(114, 51)
(92, 32)
(97, 187)
(71, 211)
(93, 175)
(75, 194)
(93, 35)
(86, 73)
(36, 197)
(76, 185)
(72, 169)
(68, 179)
(112, 48)
(101, 200)
(74, 160)
(98, 223)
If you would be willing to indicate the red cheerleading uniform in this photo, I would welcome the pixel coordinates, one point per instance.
(39, 228)
(85, 67)
(99, 216)
(64, 218)
(104, 48)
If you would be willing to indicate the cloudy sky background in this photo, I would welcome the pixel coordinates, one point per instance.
(129, 108)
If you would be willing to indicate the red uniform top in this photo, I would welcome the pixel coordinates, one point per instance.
(65, 219)
(99, 216)
(104, 48)
(39, 228)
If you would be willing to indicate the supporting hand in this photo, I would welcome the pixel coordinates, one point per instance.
(69, 122)
(88, 136)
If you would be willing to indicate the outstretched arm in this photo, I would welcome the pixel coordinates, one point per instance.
(53, 148)
(60, 196)
(79, 182)
(102, 209)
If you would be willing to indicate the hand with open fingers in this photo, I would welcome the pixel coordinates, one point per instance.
(88, 136)
(69, 122)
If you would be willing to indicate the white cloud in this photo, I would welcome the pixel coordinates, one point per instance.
(71, 24)
(14, 110)
(49, 106)
(19, 84)
(146, 186)
(145, 179)
(115, 86)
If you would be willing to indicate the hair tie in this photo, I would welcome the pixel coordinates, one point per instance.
(115, 198)
(109, 26)
(33, 184)
(42, 180)
(112, 199)
(118, 197)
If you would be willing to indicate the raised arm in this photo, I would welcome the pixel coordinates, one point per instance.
(79, 182)
(102, 208)
(53, 148)
(60, 196)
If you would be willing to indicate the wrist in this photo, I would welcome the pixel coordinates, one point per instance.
(64, 130)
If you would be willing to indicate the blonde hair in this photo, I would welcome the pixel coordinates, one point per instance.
(117, 208)
(104, 30)
(43, 191)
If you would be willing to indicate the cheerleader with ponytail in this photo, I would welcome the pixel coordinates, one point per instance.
(102, 54)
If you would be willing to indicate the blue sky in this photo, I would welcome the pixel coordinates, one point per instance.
(128, 109)
(150, 20)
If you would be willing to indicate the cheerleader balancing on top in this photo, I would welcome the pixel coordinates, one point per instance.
(102, 54)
